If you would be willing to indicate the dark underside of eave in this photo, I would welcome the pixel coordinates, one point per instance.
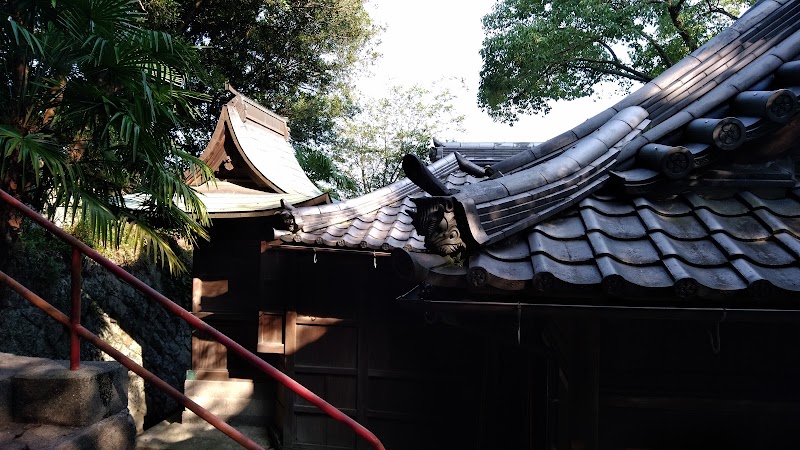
(436, 301)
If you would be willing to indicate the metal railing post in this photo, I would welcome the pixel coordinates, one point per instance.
(75, 314)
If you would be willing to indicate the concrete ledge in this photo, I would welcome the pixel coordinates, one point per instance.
(237, 402)
(10, 365)
(53, 394)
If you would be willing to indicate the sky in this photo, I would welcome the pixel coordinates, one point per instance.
(429, 40)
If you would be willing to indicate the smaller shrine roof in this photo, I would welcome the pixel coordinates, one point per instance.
(254, 163)
(227, 200)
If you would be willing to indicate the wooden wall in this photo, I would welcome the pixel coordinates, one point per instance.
(416, 384)
(663, 384)
(460, 380)
(335, 326)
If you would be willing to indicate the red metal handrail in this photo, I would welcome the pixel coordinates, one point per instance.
(78, 330)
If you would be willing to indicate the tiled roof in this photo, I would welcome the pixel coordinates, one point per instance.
(227, 200)
(480, 153)
(376, 221)
(685, 189)
(688, 246)
(734, 61)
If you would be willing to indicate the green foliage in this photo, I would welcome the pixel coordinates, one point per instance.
(296, 57)
(322, 169)
(93, 99)
(372, 144)
(536, 51)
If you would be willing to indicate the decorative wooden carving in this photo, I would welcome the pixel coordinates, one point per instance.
(435, 219)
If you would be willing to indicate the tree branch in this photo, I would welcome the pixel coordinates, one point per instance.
(623, 70)
(610, 50)
(674, 10)
(715, 9)
(662, 53)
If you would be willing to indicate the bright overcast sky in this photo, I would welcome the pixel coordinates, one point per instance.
(426, 41)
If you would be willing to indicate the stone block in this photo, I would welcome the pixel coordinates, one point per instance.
(53, 394)
(10, 365)
(235, 401)
(117, 432)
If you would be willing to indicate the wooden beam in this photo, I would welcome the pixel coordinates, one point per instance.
(290, 346)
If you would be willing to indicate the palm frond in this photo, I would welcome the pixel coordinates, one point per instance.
(95, 119)
(35, 151)
(34, 44)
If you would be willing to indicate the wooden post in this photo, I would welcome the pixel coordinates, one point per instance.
(362, 379)
(290, 345)
(584, 380)
(593, 396)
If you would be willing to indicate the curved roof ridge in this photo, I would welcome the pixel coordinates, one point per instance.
(269, 155)
(316, 217)
(767, 31)
(264, 156)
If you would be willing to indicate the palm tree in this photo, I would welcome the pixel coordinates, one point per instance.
(91, 103)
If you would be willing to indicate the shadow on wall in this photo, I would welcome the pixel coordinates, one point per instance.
(133, 324)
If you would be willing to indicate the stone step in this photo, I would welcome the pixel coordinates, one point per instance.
(10, 365)
(44, 405)
(52, 394)
(234, 388)
(239, 402)
(233, 411)
(185, 436)
(116, 432)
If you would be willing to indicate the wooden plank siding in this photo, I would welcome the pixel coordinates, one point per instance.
(415, 379)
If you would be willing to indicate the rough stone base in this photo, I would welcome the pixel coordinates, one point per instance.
(54, 395)
(10, 365)
(116, 432)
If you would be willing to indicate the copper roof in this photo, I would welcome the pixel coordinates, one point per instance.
(254, 162)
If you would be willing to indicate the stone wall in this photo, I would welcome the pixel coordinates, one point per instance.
(133, 324)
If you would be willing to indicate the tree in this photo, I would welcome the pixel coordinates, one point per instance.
(295, 57)
(372, 144)
(90, 102)
(536, 51)
(321, 168)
